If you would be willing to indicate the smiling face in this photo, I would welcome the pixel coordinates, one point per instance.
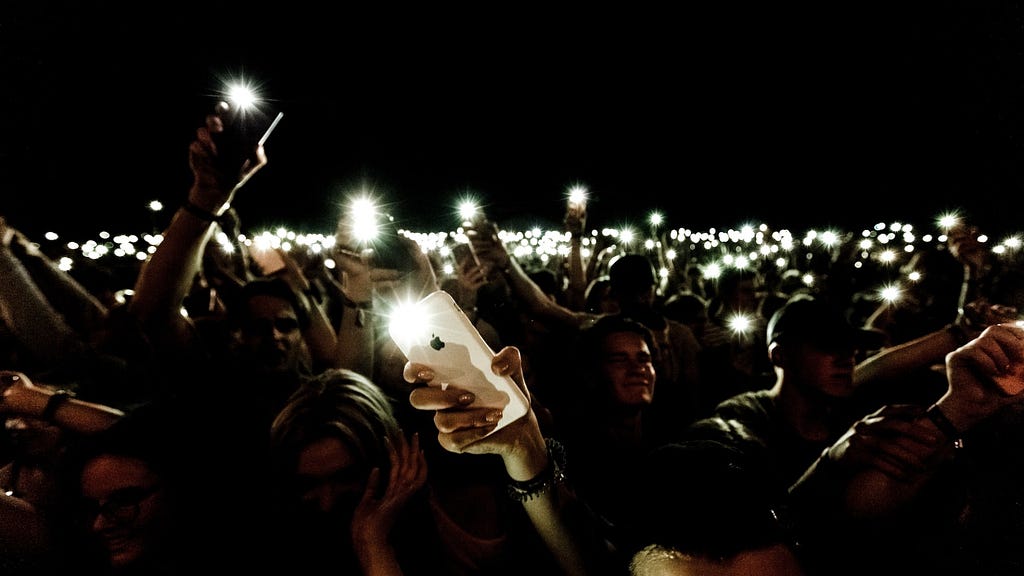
(123, 505)
(628, 367)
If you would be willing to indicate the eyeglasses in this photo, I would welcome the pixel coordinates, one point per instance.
(283, 325)
(121, 507)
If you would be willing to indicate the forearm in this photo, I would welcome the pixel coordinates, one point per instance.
(81, 309)
(538, 482)
(534, 299)
(30, 317)
(566, 538)
(167, 276)
(356, 343)
(577, 275)
(901, 360)
(66, 412)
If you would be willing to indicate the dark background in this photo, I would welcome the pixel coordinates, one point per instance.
(800, 115)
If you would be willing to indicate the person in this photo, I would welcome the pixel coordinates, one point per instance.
(812, 349)
(598, 298)
(928, 300)
(732, 359)
(536, 471)
(633, 285)
(608, 422)
(40, 421)
(926, 488)
(229, 389)
(349, 484)
(988, 277)
(135, 500)
(54, 327)
(690, 309)
(465, 287)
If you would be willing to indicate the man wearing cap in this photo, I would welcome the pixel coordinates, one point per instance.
(813, 349)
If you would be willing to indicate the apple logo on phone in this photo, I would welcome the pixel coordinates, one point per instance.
(436, 343)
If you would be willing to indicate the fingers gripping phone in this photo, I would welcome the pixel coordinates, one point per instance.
(436, 332)
(242, 135)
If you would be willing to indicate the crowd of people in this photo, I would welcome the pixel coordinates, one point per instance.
(243, 408)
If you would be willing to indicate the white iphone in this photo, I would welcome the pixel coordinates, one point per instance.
(436, 332)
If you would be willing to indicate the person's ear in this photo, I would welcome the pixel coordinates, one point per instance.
(776, 353)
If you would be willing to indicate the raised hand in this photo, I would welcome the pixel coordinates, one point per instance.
(463, 427)
(384, 498)
(214, 184)
(890, 441)
(984, 375)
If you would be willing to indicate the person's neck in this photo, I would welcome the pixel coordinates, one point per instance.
(809, 416)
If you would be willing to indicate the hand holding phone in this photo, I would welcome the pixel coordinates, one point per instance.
(243, 134)
(435, 332)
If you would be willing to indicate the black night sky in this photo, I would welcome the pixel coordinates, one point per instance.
(804, 115)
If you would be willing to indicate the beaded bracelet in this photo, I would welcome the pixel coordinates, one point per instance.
(553, 473)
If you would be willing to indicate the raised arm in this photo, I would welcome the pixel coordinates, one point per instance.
(490, 250)
(882, 462)
(166, 277)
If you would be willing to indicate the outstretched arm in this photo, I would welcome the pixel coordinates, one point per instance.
(490, 250)
(19, 396)
(165, 279)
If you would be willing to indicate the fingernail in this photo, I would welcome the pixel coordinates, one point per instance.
(493, 416)
(466, 398)
(425, 374)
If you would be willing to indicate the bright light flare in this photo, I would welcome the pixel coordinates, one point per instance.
(469, 210)
(948, 220)
(577, 196)
(363, 218)
(890, 293)
(409, 321)
(740, 323)
(242, 95)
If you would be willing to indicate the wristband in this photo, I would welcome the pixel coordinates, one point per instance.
(553, 473)
(55, 401)
(942, 423)
(199, 212)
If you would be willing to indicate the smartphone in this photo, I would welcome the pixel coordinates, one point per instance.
(243, 134)
(437, 333)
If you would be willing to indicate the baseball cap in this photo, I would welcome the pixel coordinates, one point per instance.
(804, 318)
